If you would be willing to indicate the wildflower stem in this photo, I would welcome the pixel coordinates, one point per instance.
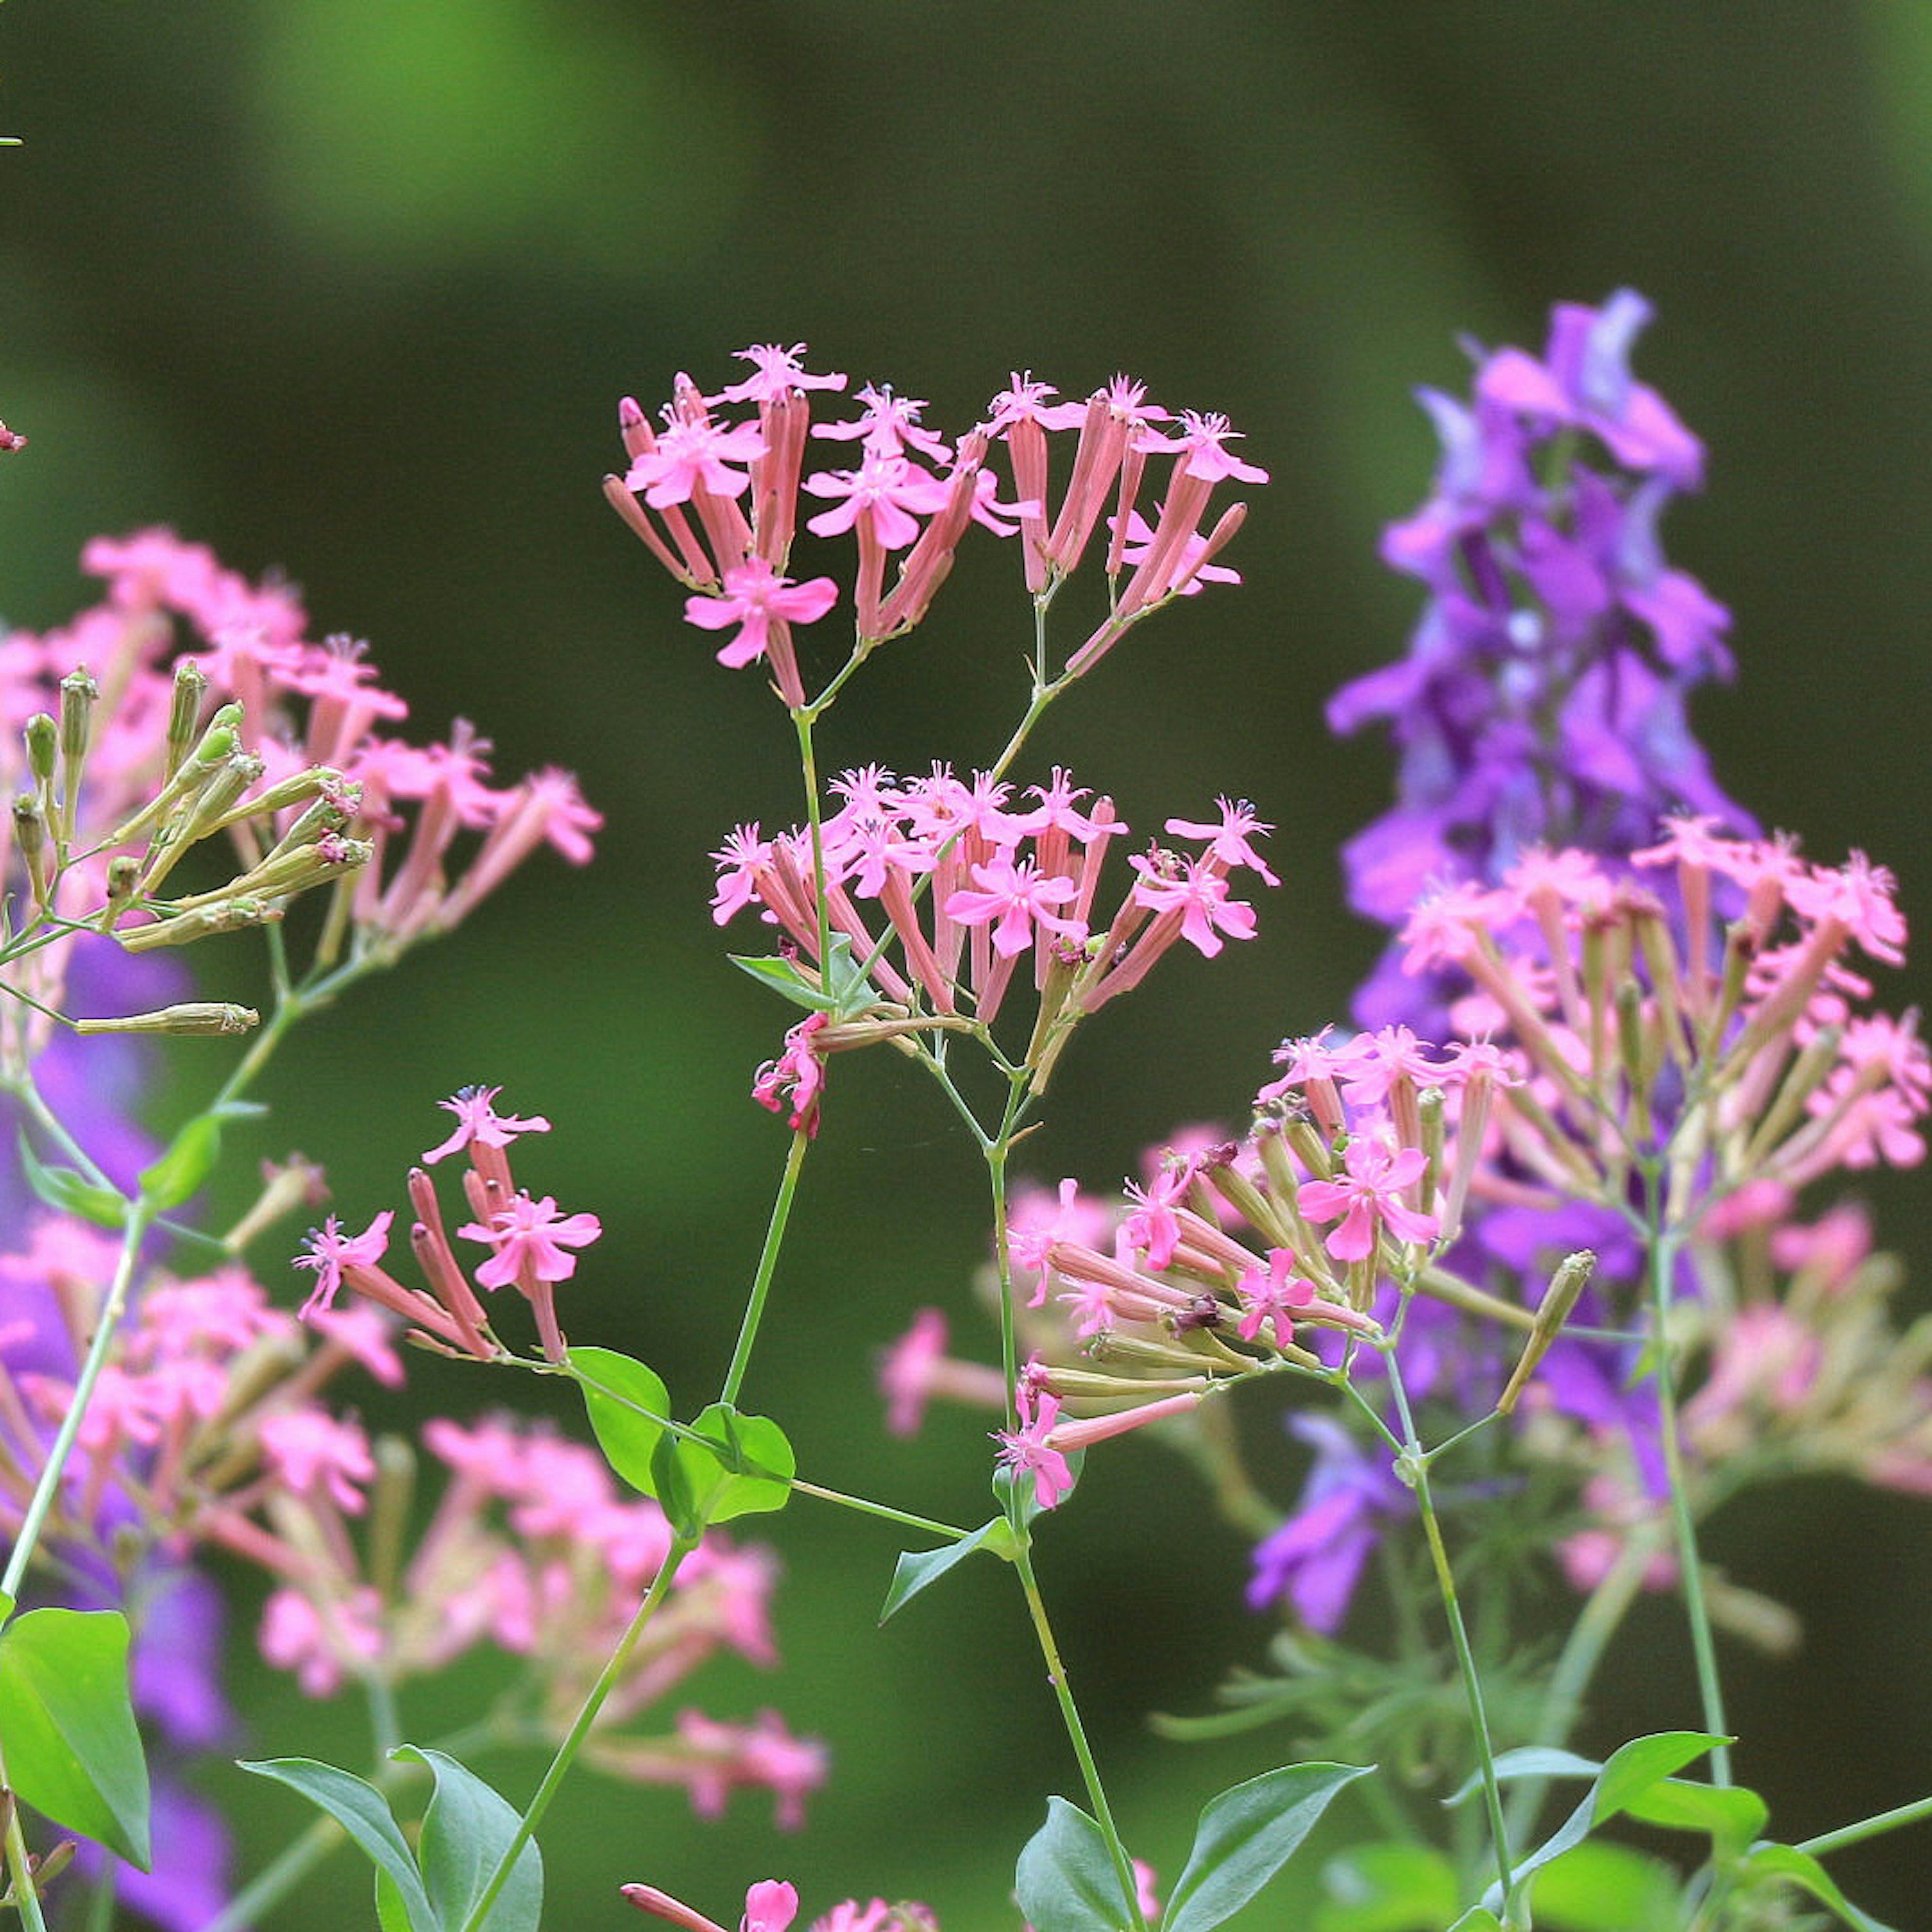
(1070, 1711)
(580, 1729)
(1663, 1258)
(768, 1261)
(904, 1518)
(801, 722)
(1866, 1828)
(105, 1324)
(1413, 1467)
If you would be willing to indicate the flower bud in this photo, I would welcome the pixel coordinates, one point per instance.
(43, 738)
(184, 717)
(1572, 1276)
(208, 1017)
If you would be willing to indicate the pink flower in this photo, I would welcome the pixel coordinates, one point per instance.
(331, 1251)
(1230, 841)
(692, 456)
(1019, 897)
(309, 1450)
(1277, 1296)
(478, 1122)
(775, 371)
(1200, 897)
(1369, 1193)
(798, 1074)
(754, 598)
(531, 1235)
(1025, 1450)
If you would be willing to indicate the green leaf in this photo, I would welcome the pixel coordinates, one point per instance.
(1600, 1887)
(917, 1568)
(1478, 1918)
(178, 1174)
(1802, 1870)
(466, 1831)
(626, 1403)
(1246, 1836)
(1630, 1771)
(1388, 1887)
(73, 1751)
(364, 1812)
(1066, 1881)
(1529, 1761)
(1732, 1815)
(66, 1189)
(845, 993)
(729, 1464)
(392, 1911)
(784, 978)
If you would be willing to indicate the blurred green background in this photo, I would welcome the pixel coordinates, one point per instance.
(352, 289)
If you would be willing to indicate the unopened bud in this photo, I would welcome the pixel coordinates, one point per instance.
(1572, 1276)
(192, 1017)
(286, 1186)
(42, 737)
(124, 879)
(30, 834)
(184, 716)
(203, 922)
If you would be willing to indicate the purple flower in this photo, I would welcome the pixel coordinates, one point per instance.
(1316, 1558)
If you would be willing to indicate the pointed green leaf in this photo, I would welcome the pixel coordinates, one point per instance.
(466, 1831)
(1600, 1887)
(178, 1174)
(626, 1403)
(1802, 1870)
(1633, 1768)
(845, 992)
(392, 1911)
(68, 1726)
(1732, 1815)
(1066, 1881)
(66, 1189)
(1246, 1836)
(785, 978)
(729, 1464)
(1478, 1918)
(1529, 1761)
(1388, 1887)
(917, 1568)
(364, 1812)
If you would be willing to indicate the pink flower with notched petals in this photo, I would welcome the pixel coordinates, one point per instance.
(532, 1234)
(754, 598)
(1368, 1195)
(692, 456)
(1230, 841)
(1200, 897)
(331, 1251)
(478, 1121)
(1025, 1450)
(797, 1074)
(1019, 897)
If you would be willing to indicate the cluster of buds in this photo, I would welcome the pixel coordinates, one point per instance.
(716, 498)
(530, 1548)
(134, 759)
(530, 1244)
(967, 890)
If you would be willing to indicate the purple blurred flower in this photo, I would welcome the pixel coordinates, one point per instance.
(1316, 1558)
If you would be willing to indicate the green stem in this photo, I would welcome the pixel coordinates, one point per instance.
(1414, 1467)
(768, 1261)
(1867, 1827)
(295, 1860)
(26, 1896)
(904, 1518)
(1070, 1712)
(106, 1322)
(1710, 1690)
(580, 1729)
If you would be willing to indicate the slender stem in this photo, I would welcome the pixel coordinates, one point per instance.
(1710, 1689)
(26, 1894)
(108, 1320)
(768, 1261)
(1070, 1712)
(801, 722)
(580, 1729)
(905, 1518)
(1415, 1469)
(1867, 1827)
(295, 1860)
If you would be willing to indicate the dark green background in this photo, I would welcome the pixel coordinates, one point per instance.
(353, 288)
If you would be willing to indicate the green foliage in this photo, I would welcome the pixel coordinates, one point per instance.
(845, 992)
(180, 1172)
(1246, 1836)
(726, 1465)
(1066, 1881)
(70, 1192)
(67, 1727)
(467, 1831)
(627, 1404)
(1388, 1887)
(917, 1569)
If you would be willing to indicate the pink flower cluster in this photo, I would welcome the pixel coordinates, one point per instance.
(715, 495)
(771, 1905)
(531, 1243)
(293, 763)
(965, 886)
(531, 1548)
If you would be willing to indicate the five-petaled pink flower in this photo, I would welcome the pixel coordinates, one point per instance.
(331, 1251)
(531, 1233)
(1026, 1451)
(755, 597)
(1020, 897)
(1374, 1177)
(478, 1121)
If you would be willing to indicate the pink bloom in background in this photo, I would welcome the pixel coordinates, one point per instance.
(478, 1122)
(531, 1234)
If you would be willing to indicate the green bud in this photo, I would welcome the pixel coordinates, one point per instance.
(42, 736)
